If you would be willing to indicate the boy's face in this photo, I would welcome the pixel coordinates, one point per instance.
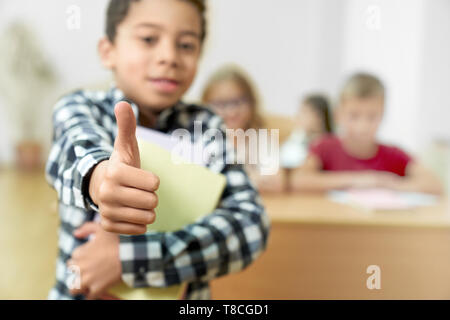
(359, 118)
(155, 53)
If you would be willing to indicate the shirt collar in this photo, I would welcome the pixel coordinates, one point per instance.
(115, 95)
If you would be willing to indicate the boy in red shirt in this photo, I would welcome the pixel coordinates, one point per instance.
(354, 158)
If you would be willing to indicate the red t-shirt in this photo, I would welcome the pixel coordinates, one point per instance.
(334, 158)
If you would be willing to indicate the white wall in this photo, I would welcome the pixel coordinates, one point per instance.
(289, 47)
(6, 146)
(73, 53)
(435, 79)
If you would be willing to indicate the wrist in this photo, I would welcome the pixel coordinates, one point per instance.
(97, 176)
(351, 180)
(398, 185)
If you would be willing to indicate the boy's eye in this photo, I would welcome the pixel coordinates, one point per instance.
(187, 46)
(149, 40)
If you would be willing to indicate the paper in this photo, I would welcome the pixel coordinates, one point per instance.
(163, 140)
(382, 199)
(122, 291)
(187, 192)
(185, 150)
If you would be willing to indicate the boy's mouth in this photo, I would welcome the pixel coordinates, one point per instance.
(165, 85)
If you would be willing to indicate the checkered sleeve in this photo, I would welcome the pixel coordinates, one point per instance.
(225, 241)
(79, 143)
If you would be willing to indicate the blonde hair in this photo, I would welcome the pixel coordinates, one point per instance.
(362, 85)
(238, 76)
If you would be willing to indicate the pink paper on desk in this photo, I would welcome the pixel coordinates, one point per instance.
(382, 199)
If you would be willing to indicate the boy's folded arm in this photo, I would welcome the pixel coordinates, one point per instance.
(419, 179)
(309, 177)
(79, 144)
(226, 241)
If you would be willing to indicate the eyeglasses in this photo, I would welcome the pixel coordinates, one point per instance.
(237, 103)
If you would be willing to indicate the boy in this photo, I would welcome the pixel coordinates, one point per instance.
(354, 158)
(152, 47)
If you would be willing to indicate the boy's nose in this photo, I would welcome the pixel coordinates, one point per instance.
(232, 111)
(168, 54)
(358, 130)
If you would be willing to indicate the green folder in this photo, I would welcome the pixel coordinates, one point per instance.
(187, 192)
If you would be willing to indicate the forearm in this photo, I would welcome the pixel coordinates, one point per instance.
(419, 179)
(270, 183)
(95, 180)
(79, 144)
(320, 181)
(425, 185)
(68, 174)
(223, 242)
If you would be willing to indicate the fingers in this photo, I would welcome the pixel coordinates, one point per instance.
(133, 198)
(121, 203)
(128, 176)
(95, 291)
(123, 227)
(129, 215)
(85, 230)
(78, 285)
(127, 199)
(107, 296)
(78, 291)
(86, 285)
(125, 146)
(126, 122)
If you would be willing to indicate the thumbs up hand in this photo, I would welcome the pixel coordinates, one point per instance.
(126, 148)
(124, 193)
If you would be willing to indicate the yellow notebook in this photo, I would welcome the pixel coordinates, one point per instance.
(187, 192)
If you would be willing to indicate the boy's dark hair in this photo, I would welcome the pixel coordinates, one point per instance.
(321, 106)
(118, 10)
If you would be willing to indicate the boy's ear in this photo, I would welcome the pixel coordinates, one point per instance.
(106, 52)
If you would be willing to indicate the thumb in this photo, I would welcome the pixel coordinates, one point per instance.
(86, 229)
(126, 147)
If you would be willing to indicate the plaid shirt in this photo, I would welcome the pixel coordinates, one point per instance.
(225, 241)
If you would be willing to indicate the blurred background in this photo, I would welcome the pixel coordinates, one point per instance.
(288, 47)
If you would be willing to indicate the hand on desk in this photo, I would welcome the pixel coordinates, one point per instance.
(417, 179)
(124, 193)
(374, 179)
(97, 261)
